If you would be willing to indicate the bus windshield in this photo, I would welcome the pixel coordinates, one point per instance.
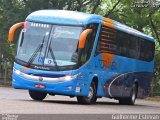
(48, 45)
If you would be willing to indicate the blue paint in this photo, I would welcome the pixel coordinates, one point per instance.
(135, 69)
(62, 17)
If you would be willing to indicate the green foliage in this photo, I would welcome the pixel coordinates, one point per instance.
(156, 81)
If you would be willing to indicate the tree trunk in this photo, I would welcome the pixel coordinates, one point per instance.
(154, 27)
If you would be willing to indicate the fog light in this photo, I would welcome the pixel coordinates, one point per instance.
(70, 87)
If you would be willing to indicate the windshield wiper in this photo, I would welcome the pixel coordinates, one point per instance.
(32, 58)
(53, 57)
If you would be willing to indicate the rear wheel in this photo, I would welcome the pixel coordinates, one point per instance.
(91, 98)
(131, 100)
(37, 95)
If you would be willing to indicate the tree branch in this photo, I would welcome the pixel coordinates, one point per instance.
(98, 2)
(107, 14)
(86, 3)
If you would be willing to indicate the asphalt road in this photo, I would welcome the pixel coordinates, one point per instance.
(14, 101)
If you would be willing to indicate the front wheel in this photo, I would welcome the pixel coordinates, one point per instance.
(91, 98)
(37, 95)
(131, 100)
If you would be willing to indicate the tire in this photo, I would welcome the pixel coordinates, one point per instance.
(37, 95)
(131, 100)
(91, 98)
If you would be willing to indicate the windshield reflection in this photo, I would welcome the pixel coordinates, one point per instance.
(59, 45)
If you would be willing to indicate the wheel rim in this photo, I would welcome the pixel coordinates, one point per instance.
(90, 95)
(134, 94)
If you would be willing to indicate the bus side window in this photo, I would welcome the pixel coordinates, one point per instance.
(134, 50)
(146, 50)
(122, 44)
(107, 41)
(86, 53)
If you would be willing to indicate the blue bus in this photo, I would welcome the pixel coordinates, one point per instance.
(81, 55)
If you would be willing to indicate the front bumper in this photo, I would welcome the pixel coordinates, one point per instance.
(64, 87)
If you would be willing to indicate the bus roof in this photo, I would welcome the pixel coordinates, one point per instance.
(63, 17)
(79, 18)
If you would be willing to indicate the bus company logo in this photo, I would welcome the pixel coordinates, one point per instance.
(115, 65)
(41, 68)
(40, 78)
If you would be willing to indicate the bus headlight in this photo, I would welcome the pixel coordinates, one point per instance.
(17, 71)
(70, 77)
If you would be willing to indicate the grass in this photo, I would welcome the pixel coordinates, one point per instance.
(157, 98)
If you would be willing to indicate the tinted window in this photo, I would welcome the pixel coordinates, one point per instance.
(133, 49)
(147, 50)
(86, 53)
(123, 44)
(107, 41)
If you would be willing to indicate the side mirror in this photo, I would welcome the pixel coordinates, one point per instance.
(83, 37)
(13, 29)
